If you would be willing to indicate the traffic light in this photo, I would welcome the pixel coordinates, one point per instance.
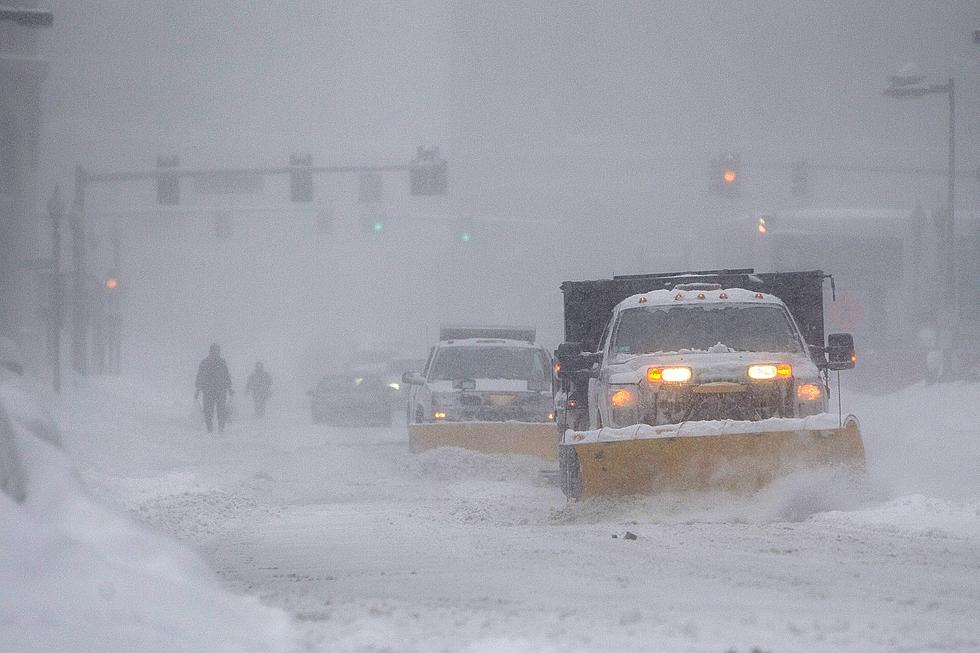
(372, 223)
(370, 189)
(168, 185)
(725, 175)
(464, 230)
(112, 283)
(301, 178)
(799, 182)
(763, 224)
(429, 173)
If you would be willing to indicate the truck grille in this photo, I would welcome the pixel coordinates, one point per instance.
(756, 402)
(501, 407)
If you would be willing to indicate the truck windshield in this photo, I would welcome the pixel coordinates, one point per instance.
(654, 329)
(453, 363)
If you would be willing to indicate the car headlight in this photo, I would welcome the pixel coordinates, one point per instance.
(769, 371)
(669, 374)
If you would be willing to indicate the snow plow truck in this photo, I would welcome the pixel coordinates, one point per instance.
(702, 380)
(490, 389)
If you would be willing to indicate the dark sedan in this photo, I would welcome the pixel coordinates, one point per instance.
(354, 400)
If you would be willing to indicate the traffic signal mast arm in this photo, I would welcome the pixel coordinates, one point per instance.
(137, 175)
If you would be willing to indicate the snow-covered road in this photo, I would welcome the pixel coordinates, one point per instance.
(373, 548)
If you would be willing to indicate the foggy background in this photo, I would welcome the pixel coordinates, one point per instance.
(579, 135)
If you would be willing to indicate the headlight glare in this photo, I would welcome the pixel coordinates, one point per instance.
(621, 398)
(669, 374)
(809, 392)
(769, 371)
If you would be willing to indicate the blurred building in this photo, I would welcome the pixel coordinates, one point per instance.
(24, 231)
(608, 116)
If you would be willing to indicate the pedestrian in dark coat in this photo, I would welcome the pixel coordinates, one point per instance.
(214, 382)
(259, 385)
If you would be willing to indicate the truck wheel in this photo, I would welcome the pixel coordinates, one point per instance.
(569, 472)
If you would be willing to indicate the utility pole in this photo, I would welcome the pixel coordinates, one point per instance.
(79, 313)
(56, 211)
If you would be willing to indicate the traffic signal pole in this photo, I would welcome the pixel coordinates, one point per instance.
(79, 312)
(56, 212)
(427, 171)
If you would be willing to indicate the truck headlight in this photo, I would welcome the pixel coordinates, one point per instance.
(623, 407)
(669, 374)
(809, 392)
(769, 371)
(622, 398)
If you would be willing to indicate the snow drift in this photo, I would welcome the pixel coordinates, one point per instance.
(79, 577)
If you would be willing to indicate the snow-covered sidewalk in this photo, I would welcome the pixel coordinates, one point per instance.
(76, 576)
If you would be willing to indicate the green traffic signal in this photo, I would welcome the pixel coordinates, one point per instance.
(378, 227)
(465, 237)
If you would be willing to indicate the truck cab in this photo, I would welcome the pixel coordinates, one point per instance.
(701, 352)
(701, 346)
(483, 374)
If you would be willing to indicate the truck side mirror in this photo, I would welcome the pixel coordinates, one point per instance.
(840, 352)
(412, 378)
(571, 358)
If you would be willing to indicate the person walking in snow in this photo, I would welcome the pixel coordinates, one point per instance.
(214, 382)
(259, 385)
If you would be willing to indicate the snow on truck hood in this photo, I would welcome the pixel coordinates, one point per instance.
(819, 422)
(483, 385)
(712, 365)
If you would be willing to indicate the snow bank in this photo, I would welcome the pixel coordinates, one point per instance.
(915, 515)
(78, 577)
(924, 439)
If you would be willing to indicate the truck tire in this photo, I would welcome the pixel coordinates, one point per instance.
(569, 472)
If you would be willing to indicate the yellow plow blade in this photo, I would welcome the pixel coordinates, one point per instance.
(528, 438)
(735, 461)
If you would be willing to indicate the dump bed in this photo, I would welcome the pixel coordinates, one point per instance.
(589, 304)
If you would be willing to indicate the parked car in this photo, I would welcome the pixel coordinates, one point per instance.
(348, 399)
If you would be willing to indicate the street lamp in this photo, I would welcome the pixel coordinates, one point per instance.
(909, 83)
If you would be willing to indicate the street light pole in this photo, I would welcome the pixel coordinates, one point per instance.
(56, 211)
(951, 199)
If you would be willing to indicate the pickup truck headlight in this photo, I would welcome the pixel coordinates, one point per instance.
(769, 371)
(809, 392)
(622, 398)
(669, 374)
(623, 404)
